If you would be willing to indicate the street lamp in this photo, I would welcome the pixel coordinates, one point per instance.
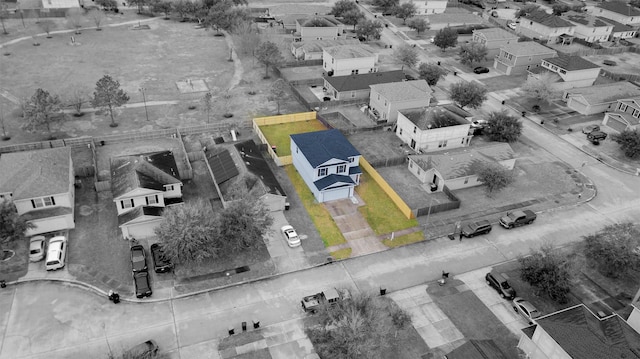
(144, 99)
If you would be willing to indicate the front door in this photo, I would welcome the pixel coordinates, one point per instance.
(413, 144)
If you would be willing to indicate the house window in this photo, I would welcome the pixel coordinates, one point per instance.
(510, 57)
(385, 103)
(322, 172)
(415, 129)
(418, 172)
(351, 159)
(622, 107)
(152, 199)
(563, 72)
(400, 131)
(635, 113)
(332, 61)
(43, 202)
(168, 188)
(341, 168)
(442, 143)
(354, 72)
(296, 149)
(126, 203)
(410, 164)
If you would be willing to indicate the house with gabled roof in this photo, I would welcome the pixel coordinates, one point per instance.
(568, 71)
(519, 57)
(625, 115)
(349, 60)
(141, 186)
(266, 187)
(550, 28)
(458, 168)
(434, 128)
(576, 332)
(599, 98)
(387, 99)
(41, 185)
(618, 11)
(328, 163)
(353, 87)
(620, 30)
(493, 39)
(477, 349)
(589, 28)
(318, 27)
(313, 50)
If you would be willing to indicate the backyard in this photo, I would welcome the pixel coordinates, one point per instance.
(278, 135)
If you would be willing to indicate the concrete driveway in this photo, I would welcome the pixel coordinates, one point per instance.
(285, 258)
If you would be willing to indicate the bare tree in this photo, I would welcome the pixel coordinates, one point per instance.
(277, 92)
(47, 26)
(97, 16)
(207, 103)
(75, 18)
(77, 95)
(4, 14)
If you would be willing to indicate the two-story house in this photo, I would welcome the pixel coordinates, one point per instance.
(576, 332)
(319, 27)
(618, 11)
(568, 71)
(519, 57)
(349, 60)
(141, 187)
(547, 27)
(41, 185)
(328, 163)
(354, 87)
(588, 27)
(625, 115)
(599, 98)
(458, 168)
(620, 30)
(313, 50)
(427, 7)
(387, 99)
(434, 128)
(493, 39)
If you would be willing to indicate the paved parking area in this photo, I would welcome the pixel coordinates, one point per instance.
(286, 259)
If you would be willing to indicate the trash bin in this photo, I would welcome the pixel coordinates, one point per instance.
(3, 284)
(256, 324)
(244, 326)
(286, 206)
(383, 291)
(231, 331)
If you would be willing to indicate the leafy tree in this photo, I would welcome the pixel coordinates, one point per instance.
(502, 127)
(97, 16)
(248, 38)
(405, 11)
(108, 96)
(385, 5)
(634, 3)
(469, 94)
(46, 26)
(540, 88)
(42, 110)
(269, 55)
(198, 11)
(352, 17)
(12, 226)
(207, 103)
(495, 177)
(560, 8)
(342, 7)
(419, 24)
(360, 327)
(369, 29)
(431, 73)
(472, 52)
(278, 92)
(188, 232)
(629, 142)
(182, 8)
(75, 18)
(4, 14)
(243, 225)
(406, 55)
(527, 9)
(614, 249)
(108, 4)
(163, 6)
(225, 15)
(549, 271)
(446, 37)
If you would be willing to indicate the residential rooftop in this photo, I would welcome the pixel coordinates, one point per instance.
(548, 20)
(363, 81)
(606, 92)
(571, 63)
(495, 33)
(527, 48)
(30, 174)
(321, 146)
(319, 45)
(585, 19)
(617, 26)
(350, 51)
(619, 8)
(435, 117)
(319, 21)
(150, 170)
(464, 161)
(258, 166)
(404, 90)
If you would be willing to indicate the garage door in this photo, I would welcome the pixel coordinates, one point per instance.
(616, 124)
(333, 194)
(142, 230)
(500, 67)
(46, 225)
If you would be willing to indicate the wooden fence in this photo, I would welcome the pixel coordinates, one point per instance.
(453, 203)
(275, 120)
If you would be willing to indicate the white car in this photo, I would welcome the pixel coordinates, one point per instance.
(512, 25)
(36, 248)
(56, 253)
(290, 235)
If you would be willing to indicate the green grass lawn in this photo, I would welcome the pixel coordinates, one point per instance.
(406, 239)
(278, 135)
(341, 253)
(380, 212)
(329, 231)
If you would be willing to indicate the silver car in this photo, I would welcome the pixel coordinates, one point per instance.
(36, 248)
(526, 309)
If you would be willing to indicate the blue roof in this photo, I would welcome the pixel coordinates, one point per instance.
(332, 179)
(321, 146)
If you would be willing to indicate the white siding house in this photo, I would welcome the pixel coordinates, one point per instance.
(387, 99)
(599, 98)
(589, 28)
(541, 25)
(349, 60)
(434, 128)
(569, 71)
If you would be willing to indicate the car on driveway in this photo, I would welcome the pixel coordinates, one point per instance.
(138, 258)
(56, 253)
(36, 248)
(590, 128)
(472, 229)
(141, 282)
(290, 235)
(160, 263)
(596, 136)
(526, 309)
(501, 285)
(479, 123)
(142, 350)
(481, 70)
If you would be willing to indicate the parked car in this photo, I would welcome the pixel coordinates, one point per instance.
(526, 309)
(481, 70)
(479, 123)
(290, 235)
(160, 263)
(596, 136)
(517, 218)
(501, 285)
(472, 229)
(36, 248)
(142, 350)
(609, 62)
(56, 253)
(138, 258)
(590, 128)
(511, 25)
(141, 282)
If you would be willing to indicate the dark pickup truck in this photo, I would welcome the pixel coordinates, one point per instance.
(517, 218)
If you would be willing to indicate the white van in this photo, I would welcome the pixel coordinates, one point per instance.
(56, 253)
